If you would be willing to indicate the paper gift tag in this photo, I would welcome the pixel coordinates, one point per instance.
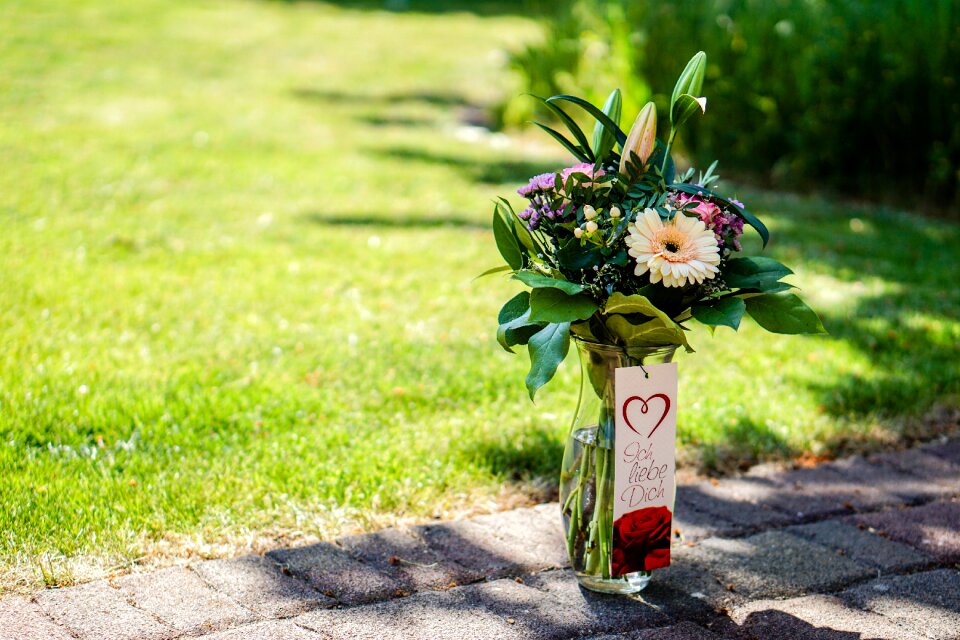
(644, 467)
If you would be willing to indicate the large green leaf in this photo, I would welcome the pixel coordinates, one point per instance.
(603, 137)
(519, 227)
(647, 334)
(515, 325)
(517, 331)
(548, 347)
(536, 280)
(726, 312)
(506, 240)
(756, 272)
(553, 305)
(599, 115)
(514, 307)
(783, 313)
(619, 303)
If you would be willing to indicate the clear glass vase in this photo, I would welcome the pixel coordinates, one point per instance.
(586, 478)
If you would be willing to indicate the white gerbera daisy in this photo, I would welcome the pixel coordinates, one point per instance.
(679, 252)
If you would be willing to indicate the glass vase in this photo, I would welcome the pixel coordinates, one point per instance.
(586, 478)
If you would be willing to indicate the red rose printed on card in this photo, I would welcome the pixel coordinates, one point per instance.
(641, 540)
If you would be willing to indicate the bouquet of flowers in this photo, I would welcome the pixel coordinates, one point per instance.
(622, 251)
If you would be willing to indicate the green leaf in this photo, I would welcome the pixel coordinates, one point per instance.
(553, 305)
(578, 152)
(603, 138)
(493, 270)
(506, 240)
(647, 334)
(685, 107)
(517, 331)
(619, 303)
(783, 313)
(572, 127)
(726, 312)
(756, 272)
(600, 116)
(573, 255)
(514, 307)
(515, 325)
(536, 280)
(548, 347)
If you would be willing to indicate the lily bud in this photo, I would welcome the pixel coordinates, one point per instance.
(691, 79)
(614, 212)
(578, 232)
(589, 212)
(591, 226)
(642, 138)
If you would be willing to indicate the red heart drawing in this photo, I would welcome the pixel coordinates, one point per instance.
(644, 408)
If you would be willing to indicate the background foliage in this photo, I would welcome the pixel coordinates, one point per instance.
(862, 96)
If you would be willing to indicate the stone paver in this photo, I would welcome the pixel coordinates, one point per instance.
(939, 475)
(932, 528)
(949, 451)
(590, 612)
(21, 619)
(408, 560)
(180, 598)
(97, 611)
(689, 592)
(424, 616)
(535, 614)
(856, 549)
(536, 533)
(682, 631)
(825, 491)
(691, 524)
(269, 630)
(816, 617)
(744, 501)
(331, 571)
(906, 487)
(258, 584)
(926, 603)
(776, 564)
(861, 545)
(474, 547)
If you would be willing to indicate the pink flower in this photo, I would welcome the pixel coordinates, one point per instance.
(726, 226)
(585, 168)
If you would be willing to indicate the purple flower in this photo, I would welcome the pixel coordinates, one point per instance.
(538, 184)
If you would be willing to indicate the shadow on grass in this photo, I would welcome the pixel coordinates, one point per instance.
(745, 443)
(430, 98)
(494, 172)
(395, 222)
(536, 457)
(910, 332)
(526, 8)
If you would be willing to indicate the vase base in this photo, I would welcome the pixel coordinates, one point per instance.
(629, 583)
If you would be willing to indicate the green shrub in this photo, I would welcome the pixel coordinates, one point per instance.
(859, 95)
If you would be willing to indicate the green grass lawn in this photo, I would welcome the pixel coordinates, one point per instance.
(237, 249)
